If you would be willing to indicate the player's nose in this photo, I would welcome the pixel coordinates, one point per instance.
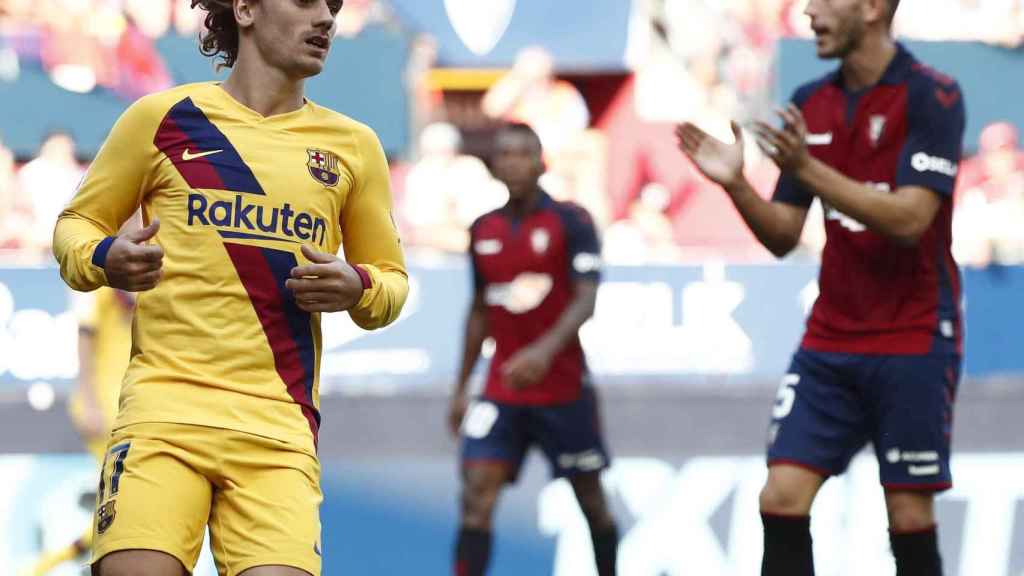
(324, 16)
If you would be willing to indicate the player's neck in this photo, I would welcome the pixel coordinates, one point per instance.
(524, 204)
(264, 89)
(865, 66)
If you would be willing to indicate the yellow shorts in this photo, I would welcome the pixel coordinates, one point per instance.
(163, 483)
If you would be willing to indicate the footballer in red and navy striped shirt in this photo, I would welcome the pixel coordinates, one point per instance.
(536, 267)
(878, 142)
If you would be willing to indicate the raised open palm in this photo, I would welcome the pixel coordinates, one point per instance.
(722, 163)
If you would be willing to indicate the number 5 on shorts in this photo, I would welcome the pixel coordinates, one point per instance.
(120, 452)
(786, 396)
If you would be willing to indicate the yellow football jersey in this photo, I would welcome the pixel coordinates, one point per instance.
(220, 341)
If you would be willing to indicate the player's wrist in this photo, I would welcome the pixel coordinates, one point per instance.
(365, 280)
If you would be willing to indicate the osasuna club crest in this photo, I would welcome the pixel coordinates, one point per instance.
(323, 166)
(480, 25)
(875, 128)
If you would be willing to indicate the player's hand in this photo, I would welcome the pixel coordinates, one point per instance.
(786, 147)
(456, 413)
(329, 284)
(526, 367)
(132, 263)
(720, 162)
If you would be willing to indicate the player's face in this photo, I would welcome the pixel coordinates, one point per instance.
(517, 162)
(295, 35)
(838, 26)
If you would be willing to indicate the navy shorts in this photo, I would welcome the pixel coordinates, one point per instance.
(568, 434)
(830, 405)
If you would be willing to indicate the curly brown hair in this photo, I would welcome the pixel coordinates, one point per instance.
(221, 35)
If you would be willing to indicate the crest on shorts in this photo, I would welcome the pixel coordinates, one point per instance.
(875, 128)
(323, 166)
(105, 516)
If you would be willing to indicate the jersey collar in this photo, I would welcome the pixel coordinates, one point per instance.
(895, 73)
(544, 201)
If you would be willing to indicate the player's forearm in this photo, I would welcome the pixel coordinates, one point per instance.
(883, 212)
(775, 225)
(86, 367)
(572, 319)
(382, 302)
(75, 241)
(476, 333)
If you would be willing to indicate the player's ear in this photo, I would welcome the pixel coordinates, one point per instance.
(876, 11)
(244, 12)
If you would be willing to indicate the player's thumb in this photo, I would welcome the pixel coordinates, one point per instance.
(315, 256)
(140, 236)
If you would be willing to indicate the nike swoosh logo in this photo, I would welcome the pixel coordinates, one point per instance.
(186, 156)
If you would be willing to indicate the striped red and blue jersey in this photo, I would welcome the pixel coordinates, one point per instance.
(878, 296)
(525, 268)
(220, 341)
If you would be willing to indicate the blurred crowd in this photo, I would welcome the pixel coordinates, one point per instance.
(700, 60)
(83, 44)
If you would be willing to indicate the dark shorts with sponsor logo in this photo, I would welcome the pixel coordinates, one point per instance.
(830, 405)
(568, 434)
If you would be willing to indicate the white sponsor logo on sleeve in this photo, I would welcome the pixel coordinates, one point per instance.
(922, 162)
(586, 262)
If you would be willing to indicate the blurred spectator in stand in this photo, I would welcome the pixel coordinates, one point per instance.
(76, 45)
(990, 202)
(646, 234)
(353, 18)
(140, 69)
(999, 22)
(153, 19)
(425, 100)
(445, 191)
(186, 18)
(530, 93)
(49, 181)
(15, 213)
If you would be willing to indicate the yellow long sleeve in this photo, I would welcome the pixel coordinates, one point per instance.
(109, 194)
(371, 240)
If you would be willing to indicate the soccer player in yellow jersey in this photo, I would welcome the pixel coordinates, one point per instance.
(247, 192)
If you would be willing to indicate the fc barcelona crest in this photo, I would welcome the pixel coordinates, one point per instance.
(105, 516)
(323, 167)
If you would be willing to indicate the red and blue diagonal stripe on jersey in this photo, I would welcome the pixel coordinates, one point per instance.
(204, 157)
(263, 272)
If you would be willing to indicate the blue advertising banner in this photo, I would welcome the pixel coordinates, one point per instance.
(679, 325)
(688, 515)
(579, 34)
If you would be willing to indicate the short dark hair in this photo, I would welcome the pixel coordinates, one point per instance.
(521, 128)
(221, 35)
(893, 5)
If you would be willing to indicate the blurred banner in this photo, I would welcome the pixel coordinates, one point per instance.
(671, 325)
(581, 35)
(677, 516)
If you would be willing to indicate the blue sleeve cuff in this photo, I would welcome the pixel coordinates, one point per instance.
(99, 255)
